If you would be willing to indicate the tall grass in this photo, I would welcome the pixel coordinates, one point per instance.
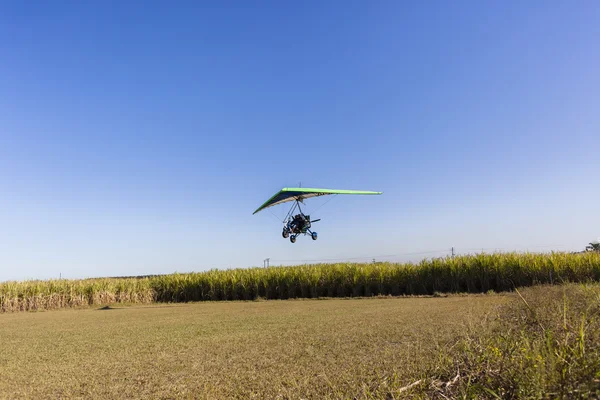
(542, 344)
(462, 274)
(53, 294)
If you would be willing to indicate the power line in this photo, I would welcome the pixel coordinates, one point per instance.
(507, 248)
(453, 252)
(365, 258)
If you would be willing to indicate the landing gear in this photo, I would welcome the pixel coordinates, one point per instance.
(293, 226)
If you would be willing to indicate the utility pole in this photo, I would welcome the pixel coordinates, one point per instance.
(452, 251)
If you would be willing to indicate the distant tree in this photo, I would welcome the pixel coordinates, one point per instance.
(594, 246)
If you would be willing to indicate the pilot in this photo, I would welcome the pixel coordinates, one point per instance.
(299, 222)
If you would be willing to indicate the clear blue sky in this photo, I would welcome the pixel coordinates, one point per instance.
(139, 137)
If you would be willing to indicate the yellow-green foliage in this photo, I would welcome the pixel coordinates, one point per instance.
(51, 294)
(542, 344)
(463, 274)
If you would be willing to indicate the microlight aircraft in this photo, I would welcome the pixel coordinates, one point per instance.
(300, 224)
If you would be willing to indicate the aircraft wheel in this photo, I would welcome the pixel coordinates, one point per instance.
(293, 238)
(314, 236)
(285, 233)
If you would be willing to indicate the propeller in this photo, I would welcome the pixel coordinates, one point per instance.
(316, 220)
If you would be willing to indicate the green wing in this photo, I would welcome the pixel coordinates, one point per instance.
(292, 194)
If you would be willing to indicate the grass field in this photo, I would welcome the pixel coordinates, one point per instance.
(475, 346)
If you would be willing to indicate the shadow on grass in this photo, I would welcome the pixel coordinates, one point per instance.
(106, 308)
(127, 306)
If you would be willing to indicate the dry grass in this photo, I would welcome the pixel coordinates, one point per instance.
(542, 342)
(269, 349)
(545, 343)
